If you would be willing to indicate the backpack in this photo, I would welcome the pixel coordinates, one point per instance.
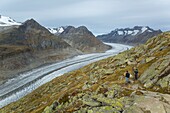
(136, 71)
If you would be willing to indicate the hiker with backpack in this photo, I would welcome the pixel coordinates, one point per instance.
(136, 73)
(127, 76)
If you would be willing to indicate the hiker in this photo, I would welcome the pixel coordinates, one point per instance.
(127, 75)
(136, 73)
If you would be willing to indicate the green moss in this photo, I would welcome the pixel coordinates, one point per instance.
(126, 92)
(161, 53)
(47, 110)
(145, 66)
(108, 108)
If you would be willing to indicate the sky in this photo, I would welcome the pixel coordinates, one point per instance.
(99, 16)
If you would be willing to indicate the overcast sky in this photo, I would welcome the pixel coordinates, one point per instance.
(99, 16)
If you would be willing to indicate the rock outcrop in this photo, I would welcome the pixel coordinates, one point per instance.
(130, 36)
(82, 39)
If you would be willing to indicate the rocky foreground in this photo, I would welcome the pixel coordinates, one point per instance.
(100, 87)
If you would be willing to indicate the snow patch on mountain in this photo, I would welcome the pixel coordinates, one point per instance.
(129, 32)
(7, 21)
(132, 36)
(56, 30)
(53, 31)
(150, 31)
(135, 32)
(120, 32)
(144, 29)
(61, 30)
(132, 31)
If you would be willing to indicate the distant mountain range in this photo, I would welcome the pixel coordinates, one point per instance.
(27, 45)
(131, 36)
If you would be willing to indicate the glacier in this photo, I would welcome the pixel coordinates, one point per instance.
(25, 83)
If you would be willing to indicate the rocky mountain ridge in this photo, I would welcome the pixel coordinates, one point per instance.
(29, 45)
(100, 86)
(132, 36)
(82, 39)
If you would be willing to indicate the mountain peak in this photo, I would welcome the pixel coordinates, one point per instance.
(82, 39)
(82, 28)
(79, 30)
(31, 22)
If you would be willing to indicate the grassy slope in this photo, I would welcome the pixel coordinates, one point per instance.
(105, 72)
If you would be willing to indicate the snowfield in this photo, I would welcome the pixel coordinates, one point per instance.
(7, 21)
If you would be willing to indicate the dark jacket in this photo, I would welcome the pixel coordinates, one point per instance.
(127, 75)
(136, 71)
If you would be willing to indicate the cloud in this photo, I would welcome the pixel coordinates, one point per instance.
(98, 15)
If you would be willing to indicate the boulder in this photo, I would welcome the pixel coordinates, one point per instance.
(133, 109)
(108, 71)
(103, 109)
(86, 85)
(153, 102)
(116, 103)
(164, 83)
(149, 59)
(151, 75)
(91, 103)
(87, 100)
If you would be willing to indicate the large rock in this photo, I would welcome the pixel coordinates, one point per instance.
(133, 109)
(153, 102)
(164, 83)
(149, 59)
(153, 74)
